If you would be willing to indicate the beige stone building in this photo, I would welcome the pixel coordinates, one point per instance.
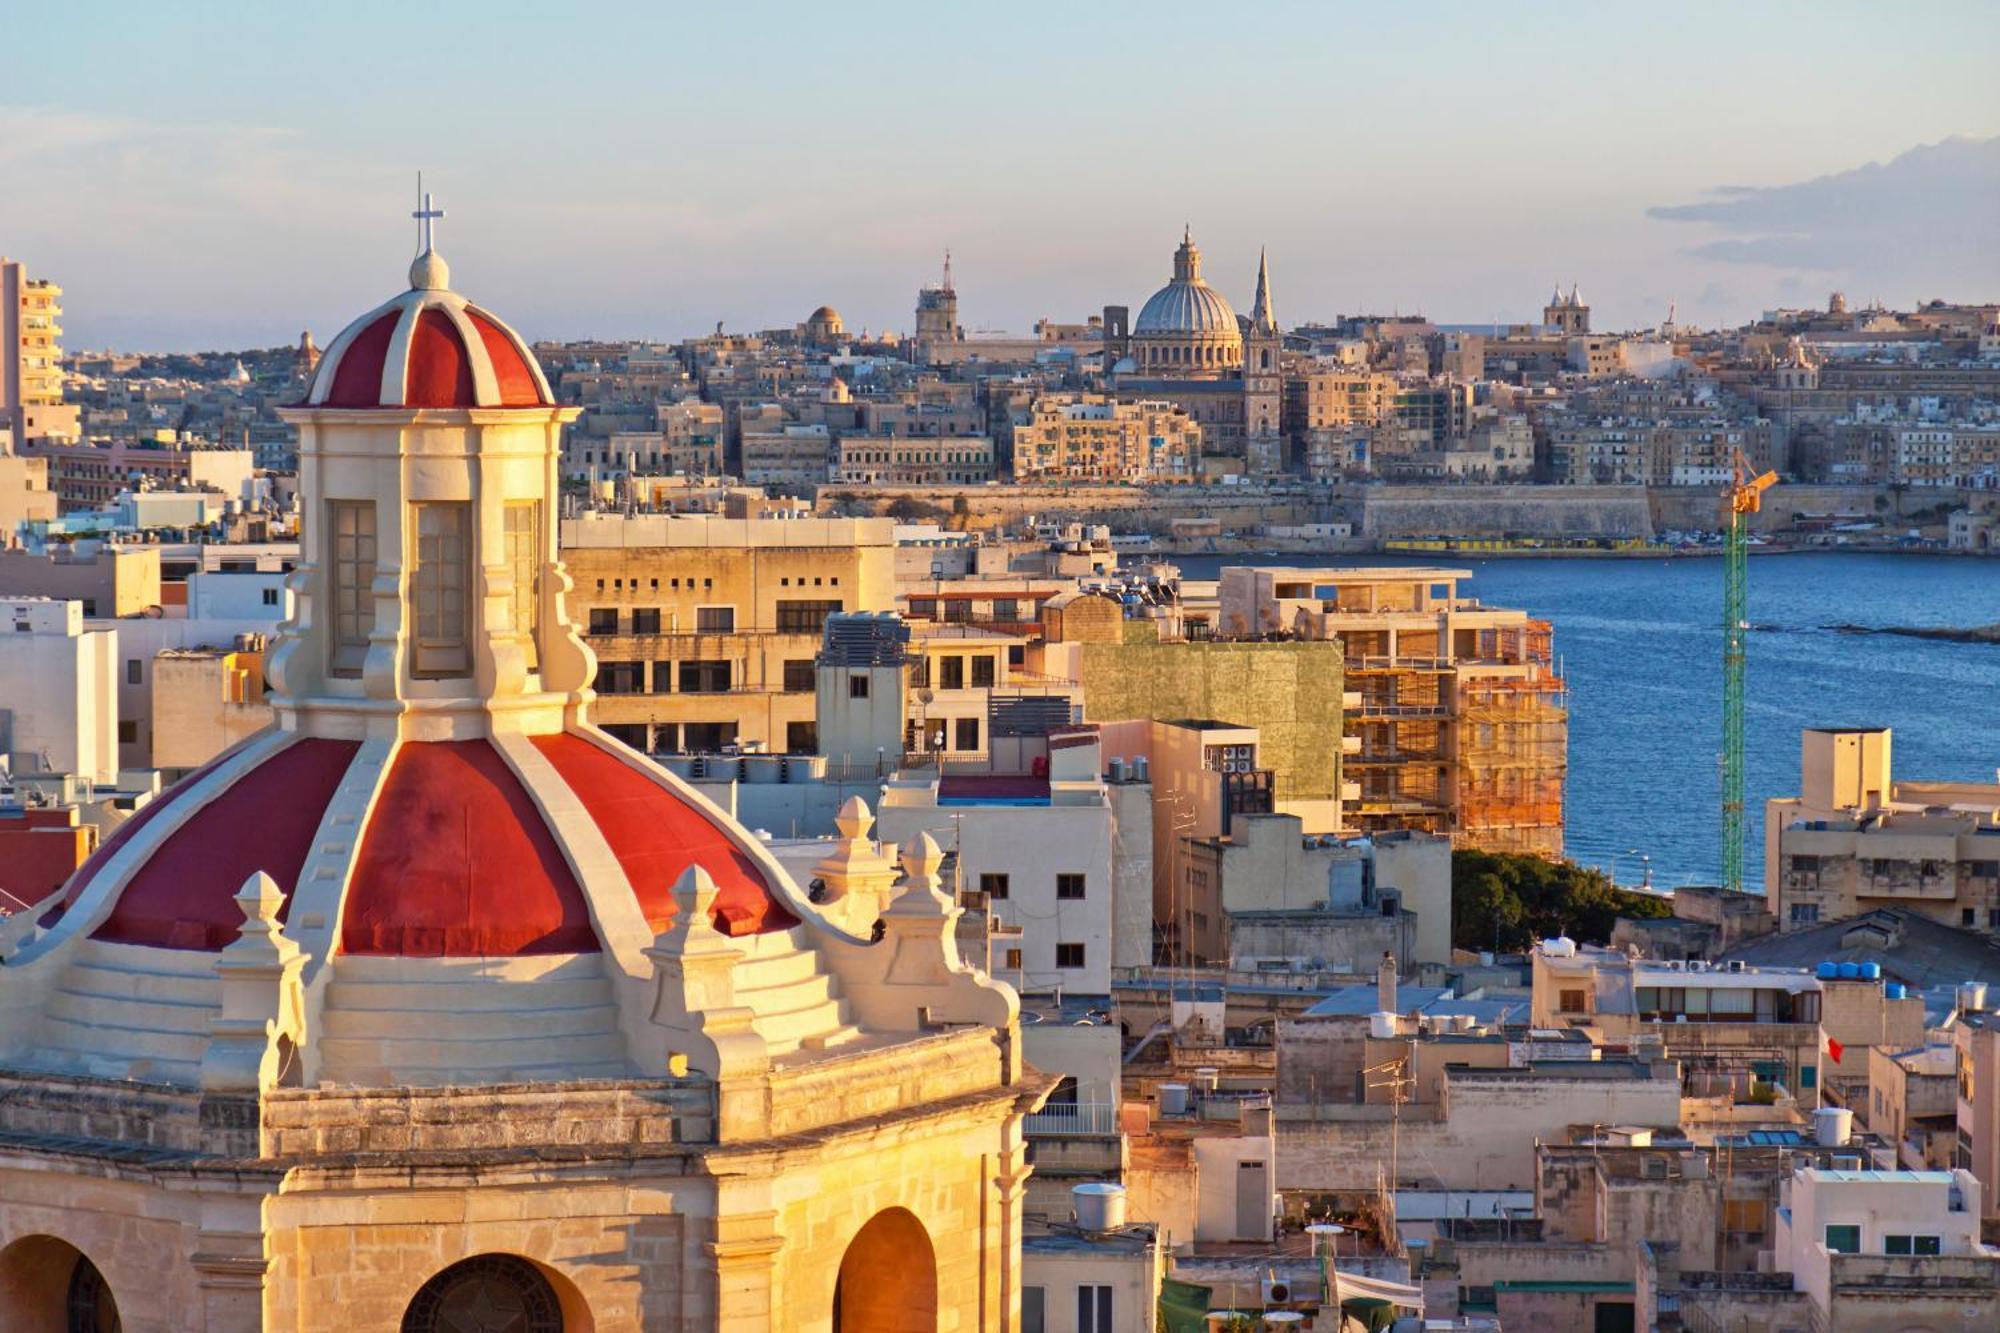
(433, 1007)
(913, 460)
(705, 628)
(1093, 437)
(1460, 715)
(25, 496)
(112, 582)
(204, 701)
(31, 375)
(1856, 839)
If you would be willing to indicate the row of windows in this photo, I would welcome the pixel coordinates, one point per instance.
(951, 674)
(793, 617)
(603, 621)
(1093, 1310)
(1845, 1238)
(440, 581)
(997, 886)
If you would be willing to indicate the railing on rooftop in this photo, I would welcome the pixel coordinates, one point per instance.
(1073, 1119)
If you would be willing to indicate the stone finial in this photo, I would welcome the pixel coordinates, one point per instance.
(921, 860)
(705, 1027)
(854, 820)
(259, 900)
(922, 892)
(263, 1001)
(694, 898)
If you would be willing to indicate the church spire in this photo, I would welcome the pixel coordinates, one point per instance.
(1262, 317)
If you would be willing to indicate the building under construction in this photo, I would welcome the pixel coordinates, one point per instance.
(1456, 719)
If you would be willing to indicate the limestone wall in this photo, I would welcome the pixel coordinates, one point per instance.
(1493, 511)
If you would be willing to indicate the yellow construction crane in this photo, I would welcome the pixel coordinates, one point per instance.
(1743, 496)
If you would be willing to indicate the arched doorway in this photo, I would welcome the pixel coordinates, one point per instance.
(493, 1293)
(47, 1285)
(888, 1278)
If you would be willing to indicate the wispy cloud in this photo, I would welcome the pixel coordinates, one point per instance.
(1919, 225)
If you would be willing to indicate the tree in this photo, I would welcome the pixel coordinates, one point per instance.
(1512, 900)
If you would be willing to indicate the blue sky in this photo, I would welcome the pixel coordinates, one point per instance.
(223, 175)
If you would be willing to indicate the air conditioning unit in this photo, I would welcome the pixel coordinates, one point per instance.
(1277, 1291)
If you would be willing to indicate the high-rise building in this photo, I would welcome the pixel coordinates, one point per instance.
(31, 382)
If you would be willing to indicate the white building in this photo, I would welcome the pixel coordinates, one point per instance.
(1839, 1232)
(58, 691)
(257, 595)
(1036, 851)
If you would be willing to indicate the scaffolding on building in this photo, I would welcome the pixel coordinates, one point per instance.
(1513, 748)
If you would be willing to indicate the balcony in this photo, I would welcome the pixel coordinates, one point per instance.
(1389, 709)
(1073, 1120)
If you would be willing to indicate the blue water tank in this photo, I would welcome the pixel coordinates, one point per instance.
(1871, 971)
(1828, 971)
(1850, 971)
(1893, 990)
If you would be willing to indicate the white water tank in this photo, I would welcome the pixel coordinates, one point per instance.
(1099, 1206)
(1173, 1099)
(1207, 1078)
(1118, 770)
(1284, 1319)
(1562, 946)
(1382, 1025)
(1972, 997)
(1142, 768)
(1833, 1126)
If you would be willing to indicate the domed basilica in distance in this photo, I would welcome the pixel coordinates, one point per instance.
(1190, 347)
(433, 1008)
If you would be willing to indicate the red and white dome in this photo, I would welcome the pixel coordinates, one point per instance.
(429, 347)
(459, 857)
(429, 870)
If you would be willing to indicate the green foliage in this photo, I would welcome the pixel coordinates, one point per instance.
(1530, 898)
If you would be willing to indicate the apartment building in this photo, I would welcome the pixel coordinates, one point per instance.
(1737, 1031)
(1094, 437)
(1855, 839)
(58, 691)
(972, 695)
(706, 629)
(792, 457)
(1976, 1105)
(914, 460)
(31, 374)
(25, 496)
(92, 476)
(1460, 714)
(1949, 455)
(1033, 852)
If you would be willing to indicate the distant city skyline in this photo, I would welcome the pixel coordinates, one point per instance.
(224, 183)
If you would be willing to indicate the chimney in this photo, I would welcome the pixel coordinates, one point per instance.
(1385, 984)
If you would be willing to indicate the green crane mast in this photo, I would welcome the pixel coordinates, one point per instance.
(1743, 498)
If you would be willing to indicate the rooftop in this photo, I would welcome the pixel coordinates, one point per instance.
(1910, 948)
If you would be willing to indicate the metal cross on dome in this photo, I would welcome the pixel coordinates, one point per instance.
(425, 216)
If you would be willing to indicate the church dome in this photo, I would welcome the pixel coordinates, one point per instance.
(433, 822)
(1187, 304)
(1186, 307)
(429, 347)
(458, 859)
